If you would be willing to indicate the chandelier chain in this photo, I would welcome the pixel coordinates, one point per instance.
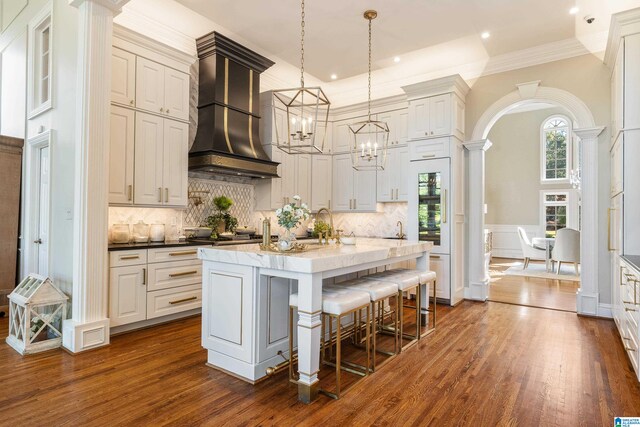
(369, 87)
(302, 45)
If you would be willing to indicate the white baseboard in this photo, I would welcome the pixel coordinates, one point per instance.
(604, 310)
(77, 337)
(506, 242)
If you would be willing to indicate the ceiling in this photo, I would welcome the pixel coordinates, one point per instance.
(336, 32)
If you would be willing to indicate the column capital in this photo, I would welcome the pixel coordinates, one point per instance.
(588, 133)
(481, 144)
(114, 5)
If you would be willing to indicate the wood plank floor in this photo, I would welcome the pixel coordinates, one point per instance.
(487, 364)
(530, 291)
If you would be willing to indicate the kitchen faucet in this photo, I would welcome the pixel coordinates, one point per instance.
(400, 235)
(330, 234)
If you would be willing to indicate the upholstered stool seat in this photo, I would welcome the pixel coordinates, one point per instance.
(337, 301)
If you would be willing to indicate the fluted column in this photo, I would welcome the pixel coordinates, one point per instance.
(89, 325)
(478, 286)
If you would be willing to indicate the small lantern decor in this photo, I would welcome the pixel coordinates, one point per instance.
(36, 311)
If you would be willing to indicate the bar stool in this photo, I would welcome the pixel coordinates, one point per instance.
(378, 291)
(336, 303)
(427, 278)
(408, 280)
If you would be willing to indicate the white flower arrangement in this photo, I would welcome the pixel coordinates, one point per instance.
(292, 214)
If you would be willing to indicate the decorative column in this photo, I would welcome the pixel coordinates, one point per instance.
(89, 324)
(478, 285)
(588, 293)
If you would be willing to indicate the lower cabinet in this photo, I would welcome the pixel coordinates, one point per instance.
(442, 266)
(626, 312)
(151, 283)
(353, 191)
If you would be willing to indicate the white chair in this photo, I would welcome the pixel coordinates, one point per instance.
(567, 248)
(529, 251)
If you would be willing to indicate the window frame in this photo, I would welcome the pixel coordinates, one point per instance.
(37, 26)
(543, 151)
(572, 204)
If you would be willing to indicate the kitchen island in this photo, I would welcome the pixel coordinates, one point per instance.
(246, 295)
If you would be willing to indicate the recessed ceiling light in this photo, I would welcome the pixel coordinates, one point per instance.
(396, 59)
(334, 76)
(574, 10)
(485, 35)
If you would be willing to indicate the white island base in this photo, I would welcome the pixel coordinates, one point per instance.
(245, 293)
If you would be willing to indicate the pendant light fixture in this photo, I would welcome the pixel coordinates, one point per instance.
(370, 137)
(306, 110)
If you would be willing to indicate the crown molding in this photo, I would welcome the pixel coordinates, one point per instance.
(453, 83)
(114, 6)
(622, 24)
(379, 104)
(138, 23)
(129, 35)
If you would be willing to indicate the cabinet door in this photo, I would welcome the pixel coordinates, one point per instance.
(121, 146)
(402, 127)
(321, 178)
(149, 85)
(175, 165)
(402, 174)
(341, 137)
(123, 77)
(288, 174)
(325, 132)
(364, 190)
(303, 177)
(148, 188)
(390, 118)
(440, 264)
(386, 178)
(617, 161)
(419, 118)
(176, 94)
(440, 115)
(127, 295)
(342, 182)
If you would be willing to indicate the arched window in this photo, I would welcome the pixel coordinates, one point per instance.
(556, 149)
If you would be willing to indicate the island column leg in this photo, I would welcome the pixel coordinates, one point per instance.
(309, 322)
(422, 263)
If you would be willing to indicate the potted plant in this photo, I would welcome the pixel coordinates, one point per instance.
(290, 216)
(222, 220)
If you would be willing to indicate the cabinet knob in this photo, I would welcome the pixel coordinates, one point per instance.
(161, 110)
(131, 102)
(426, 133)
(167, 111)
(38, 241)
(431, 132)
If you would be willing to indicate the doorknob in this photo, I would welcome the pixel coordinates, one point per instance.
(38, 241)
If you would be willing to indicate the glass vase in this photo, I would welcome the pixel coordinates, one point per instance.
(286, 240)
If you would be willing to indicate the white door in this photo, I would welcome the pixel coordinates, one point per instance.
(148, 188)
(176, 94)
(343, 183)
(419, 118)
(402, 174)
(364, 190)
(41, 239)
(440, 115)
(175, 163)
(149, 85)
(429, 201)
(127, 295)
(123, 77)
(303, 177)
(321, 182)
(121, 150)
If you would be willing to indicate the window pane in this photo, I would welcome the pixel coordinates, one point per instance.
(562, 173)
(561, 197)
(561, 210)
(551, 174)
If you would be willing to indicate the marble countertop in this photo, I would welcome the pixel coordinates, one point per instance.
(319, 257)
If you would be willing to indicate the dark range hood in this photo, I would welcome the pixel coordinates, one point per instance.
(227, 140)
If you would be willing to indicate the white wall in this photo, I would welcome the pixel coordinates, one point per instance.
(13, 86)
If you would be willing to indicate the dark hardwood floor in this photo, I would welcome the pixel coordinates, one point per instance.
(487, 364)
(530, 291)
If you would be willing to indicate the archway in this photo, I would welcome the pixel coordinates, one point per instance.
(587, 132)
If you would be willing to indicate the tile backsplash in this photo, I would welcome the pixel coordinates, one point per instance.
(203, 191)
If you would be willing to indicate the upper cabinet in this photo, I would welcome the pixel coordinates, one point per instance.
(436, 116)
(162, 90)
(397, 120)
(393, 180)
(149, 141)
(341, 136)
(353, 191)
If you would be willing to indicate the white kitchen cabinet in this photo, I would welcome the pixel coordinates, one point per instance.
(321, 182)
(617, 167)
(397, 120)
(392, 181)
(441, 265)
(127, 295)
(440, 115)
(295, 179)
(342, 136)
(353, 191)
(175, 163)
(123, 77)
(436, 116)
(121, 155)
(161, 161)
(161, 90)
(326, 133)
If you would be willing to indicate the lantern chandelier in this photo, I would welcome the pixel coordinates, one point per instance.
(370, 137)
(306, 110)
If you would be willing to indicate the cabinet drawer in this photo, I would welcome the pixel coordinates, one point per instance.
(127, 258)
(173, 274)
(429, 148)
(176, 300)
(173, 254)
(630, 341)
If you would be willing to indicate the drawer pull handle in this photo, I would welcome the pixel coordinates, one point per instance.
(183, 300)
(126, 257)
(428, 156)
(434, 256)
(629, 349)
(183, 253)
(184, 273)
(144, 276)
(630, 309)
